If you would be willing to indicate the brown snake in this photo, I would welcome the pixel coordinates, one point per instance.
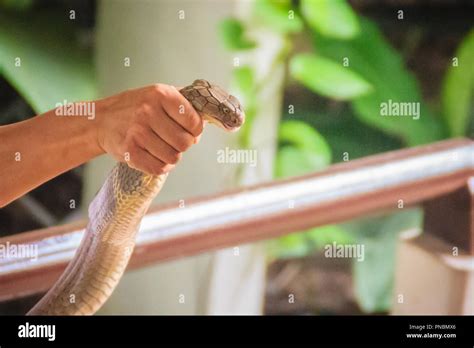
(115, 215)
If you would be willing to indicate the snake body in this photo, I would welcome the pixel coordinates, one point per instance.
(115, 215)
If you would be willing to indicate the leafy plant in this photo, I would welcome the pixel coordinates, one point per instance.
(372, 57)
(348, 60)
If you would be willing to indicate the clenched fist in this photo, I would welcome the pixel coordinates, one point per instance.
(148, 128)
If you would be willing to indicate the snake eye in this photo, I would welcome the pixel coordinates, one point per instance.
(226, 111)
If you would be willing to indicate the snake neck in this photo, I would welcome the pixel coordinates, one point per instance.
(106, 247)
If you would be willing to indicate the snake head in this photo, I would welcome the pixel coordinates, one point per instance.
(215, 105)
(231, 116)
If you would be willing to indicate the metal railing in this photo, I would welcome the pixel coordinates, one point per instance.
(344, 191)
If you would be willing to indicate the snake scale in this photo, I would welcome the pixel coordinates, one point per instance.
(115, 215)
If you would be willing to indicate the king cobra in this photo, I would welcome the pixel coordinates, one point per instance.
(115, 215)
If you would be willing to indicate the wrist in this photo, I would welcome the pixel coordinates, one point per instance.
(90, 125)
(102, 108)
(79, 127)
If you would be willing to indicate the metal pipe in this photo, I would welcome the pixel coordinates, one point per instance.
(342, 192)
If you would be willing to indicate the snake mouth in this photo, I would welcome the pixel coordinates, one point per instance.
(226, 127)
(235, 122)
(228, 124)
(231, 129)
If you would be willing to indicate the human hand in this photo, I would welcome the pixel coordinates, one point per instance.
(148, 128)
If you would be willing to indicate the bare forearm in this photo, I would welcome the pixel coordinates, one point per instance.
(36, 150)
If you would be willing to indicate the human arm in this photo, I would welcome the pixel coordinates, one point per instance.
(148, 128)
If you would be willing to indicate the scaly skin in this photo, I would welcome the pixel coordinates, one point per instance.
(115, 215)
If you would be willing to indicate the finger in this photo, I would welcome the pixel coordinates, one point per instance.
(183, 113)
(171, 132)
(159, 148)
(197, 139)
(142, 160)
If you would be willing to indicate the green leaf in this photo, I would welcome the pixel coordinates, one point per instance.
(327, 77)
(278, 15)
(304, 150)
(371, 56)
(373, 277)
(52, 68)
(231, 31)
(331, 18)
(458, 88)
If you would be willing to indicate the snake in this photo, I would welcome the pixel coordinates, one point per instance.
(114, 217)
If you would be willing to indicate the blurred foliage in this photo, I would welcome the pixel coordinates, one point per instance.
(233, 35)
(458, 89)
(275, 15)
(327, 77)
(348, 60)
(371, 56)
(304, 243)
(41, 58)
(374, 276)
(344, 132)
(331, 18)
(303, 150)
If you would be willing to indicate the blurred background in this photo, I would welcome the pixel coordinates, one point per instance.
(311, 75)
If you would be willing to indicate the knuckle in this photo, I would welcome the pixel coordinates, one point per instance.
(143, 112)
(197, 139)
(161, 91)
(158, 168)
(184, 142)
(195, 123)
(157, 89)
(136, 134)
(155, 167)
(167, 168)
(133, 154)
(129, 144)
(175, 157)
